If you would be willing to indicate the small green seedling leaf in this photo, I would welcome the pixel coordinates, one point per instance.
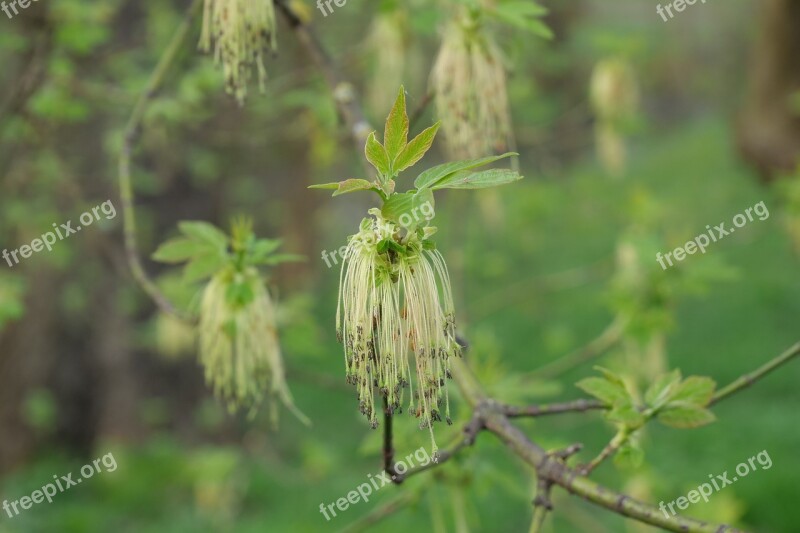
(395, 135)
(416, 149)
(433, 175)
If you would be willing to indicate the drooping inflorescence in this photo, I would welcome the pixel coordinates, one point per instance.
(469, 86)
(242, 32)
(395, 300)
(395, 305)
(237, 330)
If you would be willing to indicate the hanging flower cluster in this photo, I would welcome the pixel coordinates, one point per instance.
(468, 81)
(614, 95)
(237, 329)
(395, 299)
(241, 31)
(398, 310)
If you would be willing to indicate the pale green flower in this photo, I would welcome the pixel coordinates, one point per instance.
(239, 347)
(241, 32)
(469, 86)
(395, 299)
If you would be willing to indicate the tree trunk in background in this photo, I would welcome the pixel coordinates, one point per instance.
(26, 349)
(769, 130)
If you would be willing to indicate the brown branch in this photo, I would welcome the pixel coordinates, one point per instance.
(470, 433)
(388, 447)
(344, 93)
(576, 406)
(420, 110)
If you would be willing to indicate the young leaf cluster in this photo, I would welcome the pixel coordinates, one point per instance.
(397, 154)
(207, 250)
(672, 400)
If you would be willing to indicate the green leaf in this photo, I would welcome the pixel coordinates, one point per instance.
(608, 392)
(523, 14)
(389, 244)
(376, 155)
(626, 414)
(662, 388)
(629, 455)
(178, 250)
(239, 294)
(478, 180)
(262, 248)
(203, 267)
(431, 176)
(414, 150)
(695, 390)
(282, 258)
(353, 185)
(204, 232)
(406, 208)
(685, 416)
(610, 376)
(346, 186)
(395, 135)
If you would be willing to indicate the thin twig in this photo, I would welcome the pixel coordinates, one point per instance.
(610, 449)
(343, 92)
(748, 379)
(420, 110)
(388, 446)
(131, 133)
(605, 341)
(470, 432)
(389, 508)
(576, 406)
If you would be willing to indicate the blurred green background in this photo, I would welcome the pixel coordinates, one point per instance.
(539, 268)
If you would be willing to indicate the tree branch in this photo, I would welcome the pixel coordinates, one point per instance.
(748, 379)
(343, 92)
(605, 341)
(131, 133)
(576, 406)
